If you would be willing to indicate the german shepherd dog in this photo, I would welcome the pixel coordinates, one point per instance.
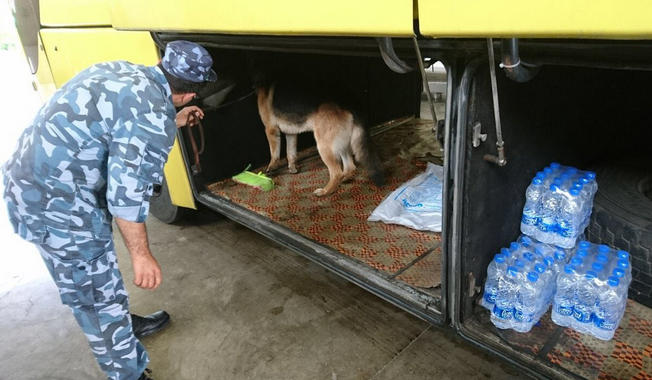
(292, 108)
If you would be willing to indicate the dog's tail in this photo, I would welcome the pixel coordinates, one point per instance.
(365, 153)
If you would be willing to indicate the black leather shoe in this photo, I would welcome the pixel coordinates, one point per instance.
(149, 324)
(147, 375)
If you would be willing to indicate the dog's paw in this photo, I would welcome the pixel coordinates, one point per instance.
(348, 177)
(293, 169)
(319, 192)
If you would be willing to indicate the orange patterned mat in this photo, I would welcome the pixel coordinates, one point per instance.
(340, 220)
(627, 356)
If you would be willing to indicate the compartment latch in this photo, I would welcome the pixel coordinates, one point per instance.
(478, 136)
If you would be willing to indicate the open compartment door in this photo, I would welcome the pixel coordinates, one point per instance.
(591, 115)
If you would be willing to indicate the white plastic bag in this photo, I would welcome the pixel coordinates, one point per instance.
(416, 203)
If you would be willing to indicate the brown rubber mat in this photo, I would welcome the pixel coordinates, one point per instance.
(425, 273)
(627, 356)
(340, 219)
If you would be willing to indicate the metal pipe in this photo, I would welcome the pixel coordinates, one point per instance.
(500, 160)
(514, 67)
(426, 87)
(390, 58)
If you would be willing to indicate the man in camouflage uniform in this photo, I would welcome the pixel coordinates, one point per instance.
(94, 153)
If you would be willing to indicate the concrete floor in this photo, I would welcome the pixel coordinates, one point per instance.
(242, 308)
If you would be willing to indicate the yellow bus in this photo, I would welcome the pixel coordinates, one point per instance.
(490, 91)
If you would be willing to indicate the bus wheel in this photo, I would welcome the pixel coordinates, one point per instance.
(160, 205)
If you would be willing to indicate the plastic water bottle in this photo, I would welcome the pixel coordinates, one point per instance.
(591, 293)
(560, 257)
(555, 168)
(530, 218)
(543, 250)
(609, 310)
(584, 302)
(547, 283)
(528, 303)
(593, 185)
(570, 218)
(559, 202)
(583, 244)
(627, 269)
(502, 315)
(564, 300)
(526, 241)
(514, 247)
(508, 255)
(586, 201)
(496, 270)
(549, 209)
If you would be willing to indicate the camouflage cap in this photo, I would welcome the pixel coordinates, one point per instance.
(189, 61)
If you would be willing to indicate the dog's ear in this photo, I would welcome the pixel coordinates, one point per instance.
(259, 79)
(256, 70)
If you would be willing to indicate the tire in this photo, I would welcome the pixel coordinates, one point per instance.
(160, 205)
(622, 218)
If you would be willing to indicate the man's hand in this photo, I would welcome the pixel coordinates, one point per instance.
(147, 272)
(189, 116)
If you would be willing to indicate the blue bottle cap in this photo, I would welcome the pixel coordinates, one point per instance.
(569, 268)
(603, 248)
(519, 263)
(601, 258)
(529, 256)
(549, 261)
(590, 175)
(597, 267)
(576, 261)
(514, 247)
(525, 240)
(555, 165)
(499, 258)
(571, 170)
(554, 187)
(590, 275)
(584, 244)
(505, 252)
(540, 268)
(623, 264)
(574, 192)
(623, 254)
(577, 185)
(537, 181)
(582, 252)
(613, 281)
(513, 271)
(532, 276)
(584, 180)
(618, 272)
(547, 170)
(560, 255)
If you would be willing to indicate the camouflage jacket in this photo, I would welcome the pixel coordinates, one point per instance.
(94, 150)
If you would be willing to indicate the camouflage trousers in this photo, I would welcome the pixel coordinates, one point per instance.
(86, 272)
